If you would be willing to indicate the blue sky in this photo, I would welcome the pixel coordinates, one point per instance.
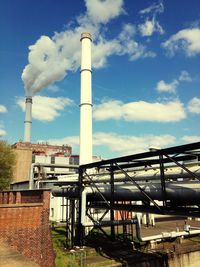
(146, 72)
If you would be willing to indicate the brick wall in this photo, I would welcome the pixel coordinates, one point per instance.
(24, 224)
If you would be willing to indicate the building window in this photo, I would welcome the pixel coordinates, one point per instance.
(52, 212)
(33, 158)
(71, 161)
(52, 162)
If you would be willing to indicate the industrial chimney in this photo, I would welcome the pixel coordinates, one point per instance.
(86, 100)
(28, 120)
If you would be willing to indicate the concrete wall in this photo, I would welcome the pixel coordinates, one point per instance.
(57, 160)
(57, 212)
(190, 259)
(24, 224)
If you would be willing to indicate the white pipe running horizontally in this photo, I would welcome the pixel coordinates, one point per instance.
(164, 235)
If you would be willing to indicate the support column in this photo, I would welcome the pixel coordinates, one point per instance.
(112, 214)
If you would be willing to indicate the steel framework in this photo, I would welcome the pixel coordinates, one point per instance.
(102, 186)
(160, 159)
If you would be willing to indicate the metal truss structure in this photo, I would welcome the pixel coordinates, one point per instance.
(162, 181)
(161, 160)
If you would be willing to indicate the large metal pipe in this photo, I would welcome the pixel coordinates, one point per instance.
(172, 172)
(86, 100)
(67, 166)
(179, 192)
(28, 119)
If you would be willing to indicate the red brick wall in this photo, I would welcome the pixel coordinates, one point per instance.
(24, 224)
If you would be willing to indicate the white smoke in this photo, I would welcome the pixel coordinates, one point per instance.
(46, 65)
(51, 58)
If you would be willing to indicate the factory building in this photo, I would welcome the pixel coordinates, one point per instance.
(28, 153)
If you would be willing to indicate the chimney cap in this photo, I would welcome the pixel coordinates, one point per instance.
(28, 99)
(86, 35)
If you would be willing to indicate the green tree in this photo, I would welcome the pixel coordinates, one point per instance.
(7, 164)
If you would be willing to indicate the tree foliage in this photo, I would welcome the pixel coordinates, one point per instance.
(7, 164)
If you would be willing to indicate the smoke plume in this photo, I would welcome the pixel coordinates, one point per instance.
(50, 59)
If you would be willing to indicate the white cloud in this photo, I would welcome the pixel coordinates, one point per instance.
(3, 109)
(191, 138)
(154, 8)
(187, 40)
(50, 59)
(103, 11)
(112, 109)
(121, 144)
(102, 50)
(128, 31)
(185, 76)
(128, 46)
(149, 27)
(45, 108)
(162, 86)
(2, 131)
(124, 144)
(140, 111)
(194, 105)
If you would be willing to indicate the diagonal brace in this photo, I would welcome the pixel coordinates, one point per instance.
(139, 187)
(183, 167)
(98, 190)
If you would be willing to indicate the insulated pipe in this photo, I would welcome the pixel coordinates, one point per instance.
(91, 192)
(86, 100)
(180, 192)
(164, 235)
(120, 178)
(84, 205)
(31, 174)
(103, 178)
(171, 172)
(28, 119)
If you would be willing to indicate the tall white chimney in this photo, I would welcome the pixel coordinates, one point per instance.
(28, 119)
(86, 100)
